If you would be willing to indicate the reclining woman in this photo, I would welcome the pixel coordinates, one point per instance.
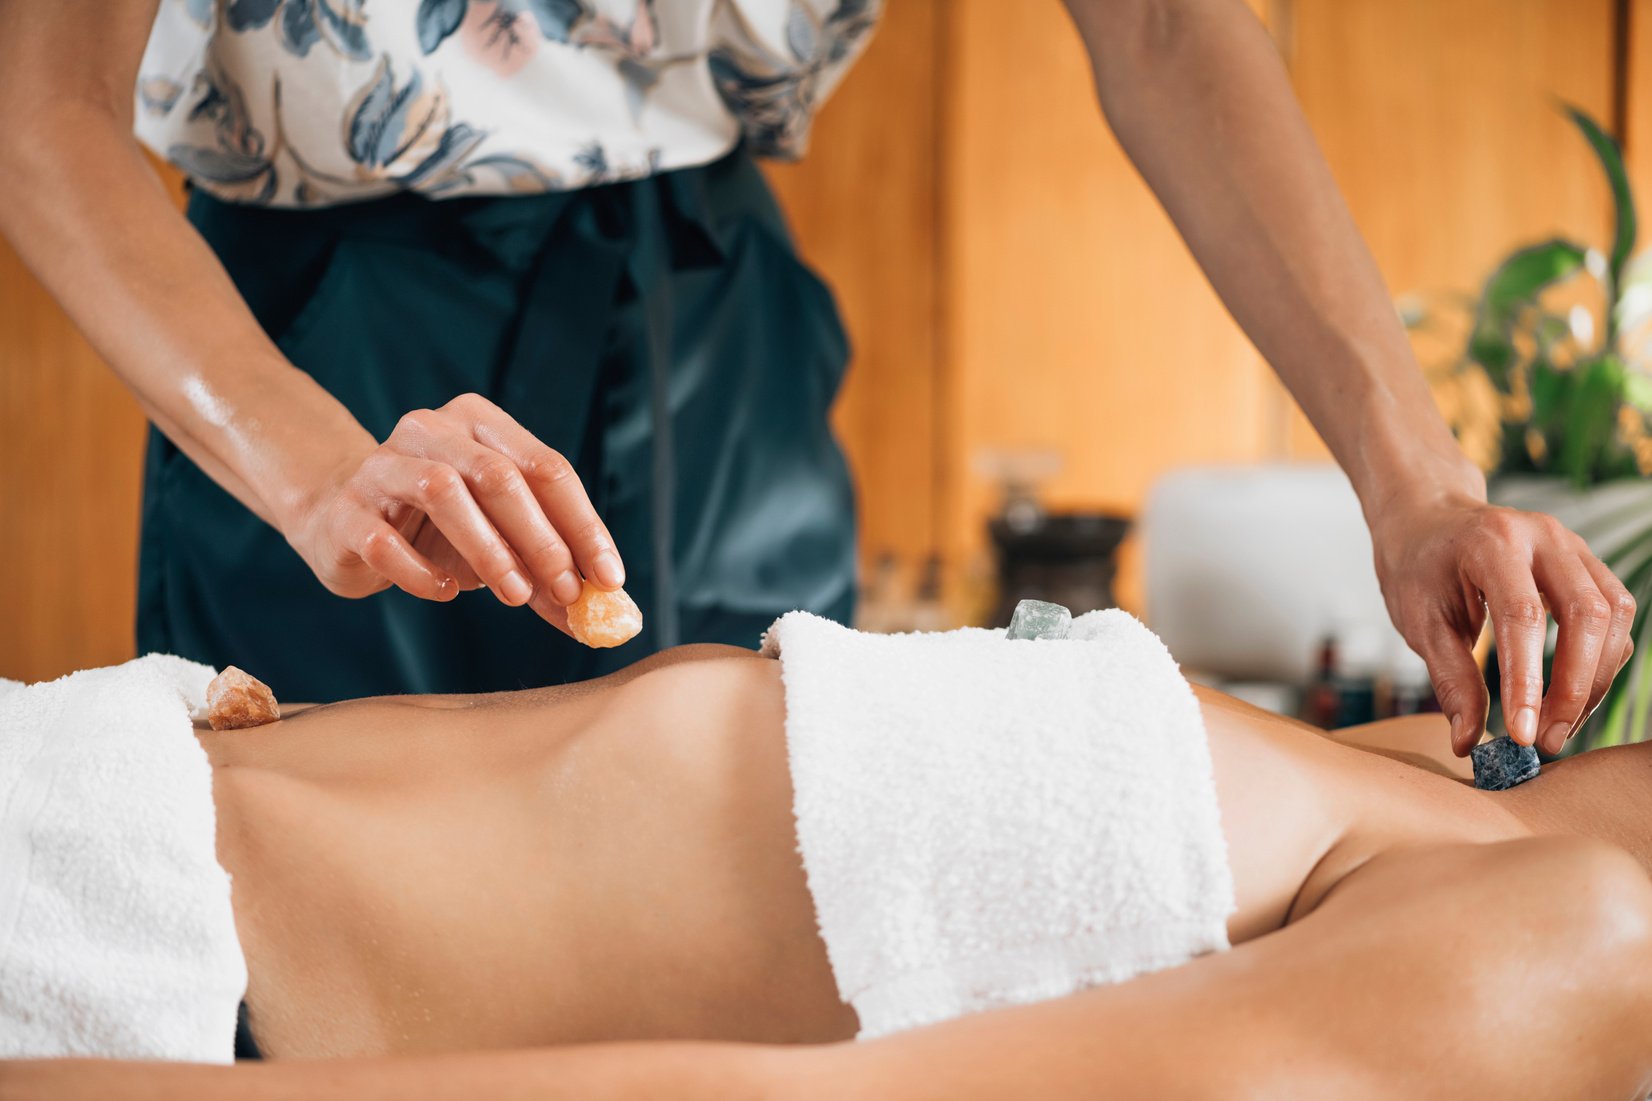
(461, 896)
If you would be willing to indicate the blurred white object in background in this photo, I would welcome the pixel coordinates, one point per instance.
(1248, 568)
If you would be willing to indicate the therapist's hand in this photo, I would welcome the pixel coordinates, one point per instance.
(1198, 96)
(458, 497)
(1445, 564)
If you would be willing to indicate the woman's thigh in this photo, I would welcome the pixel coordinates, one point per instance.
(1514, 970)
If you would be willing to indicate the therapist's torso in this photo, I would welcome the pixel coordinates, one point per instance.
(310, 102)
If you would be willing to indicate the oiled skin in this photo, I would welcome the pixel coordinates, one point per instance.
(616, 860)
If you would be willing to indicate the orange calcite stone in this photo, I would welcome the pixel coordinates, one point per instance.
(236, 699)
(602, 619)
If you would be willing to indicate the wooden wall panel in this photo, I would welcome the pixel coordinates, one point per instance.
(864, 208)
(1076, 319)
(71, 459)
(1438, 118)
(70, 449)
(1637, 104)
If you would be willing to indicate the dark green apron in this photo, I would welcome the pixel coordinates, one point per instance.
(662, 334)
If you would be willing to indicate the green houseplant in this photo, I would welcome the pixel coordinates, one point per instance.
(1559, 346)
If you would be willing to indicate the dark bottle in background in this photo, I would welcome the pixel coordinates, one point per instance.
(1320, 700)
(1360, 654)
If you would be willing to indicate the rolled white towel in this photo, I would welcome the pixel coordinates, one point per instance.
(986, 822)
(116, 934)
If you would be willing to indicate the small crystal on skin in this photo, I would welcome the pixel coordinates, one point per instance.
(236, 700)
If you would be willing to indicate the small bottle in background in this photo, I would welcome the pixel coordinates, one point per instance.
(880, 608)
(1359, 662)
(929, 612)
(1320, 702)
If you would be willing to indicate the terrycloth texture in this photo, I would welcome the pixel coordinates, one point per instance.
(987, 822)
(116, 934)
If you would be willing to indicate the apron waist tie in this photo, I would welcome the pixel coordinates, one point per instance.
(651, 275)
(641, 231)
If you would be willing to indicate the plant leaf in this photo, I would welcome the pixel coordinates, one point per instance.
(1492, 350)
(1551, 391)
(1524, 273)
(1621, 716)
(1623, 200)
(1511, 288)
(1616, 521)
(1642, 686)
(1611, 722)
(1637, 390)
(1591, 416)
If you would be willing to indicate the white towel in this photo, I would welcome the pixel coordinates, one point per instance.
(116, 933)
(986, 822)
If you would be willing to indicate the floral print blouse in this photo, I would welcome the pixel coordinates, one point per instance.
(310, 102)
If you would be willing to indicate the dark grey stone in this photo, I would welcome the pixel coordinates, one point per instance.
(1503, 763)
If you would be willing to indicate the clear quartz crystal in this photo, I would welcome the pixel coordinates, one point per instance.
(1039, 619)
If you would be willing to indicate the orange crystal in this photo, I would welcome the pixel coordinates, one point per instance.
(236, 699)
(602, 619)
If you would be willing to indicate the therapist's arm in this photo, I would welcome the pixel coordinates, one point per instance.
(455, 497)
(1199, 99)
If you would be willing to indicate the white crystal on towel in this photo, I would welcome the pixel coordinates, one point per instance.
(1039, 619)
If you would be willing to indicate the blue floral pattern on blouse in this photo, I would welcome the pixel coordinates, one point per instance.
(480, 96)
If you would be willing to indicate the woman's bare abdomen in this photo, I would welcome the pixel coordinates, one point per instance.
(612, 860)
(617, 860)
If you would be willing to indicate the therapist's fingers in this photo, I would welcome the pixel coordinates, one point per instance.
(1619, 643)
(389, 554)
(551, 612)
(502, 490)
(1458, 686)
(1520, 623)
(558, 488)
(1585, 618)
(440, 492)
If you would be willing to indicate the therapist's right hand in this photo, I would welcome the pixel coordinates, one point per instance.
(456, 498)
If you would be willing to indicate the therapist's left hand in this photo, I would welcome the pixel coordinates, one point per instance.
(1446, 563)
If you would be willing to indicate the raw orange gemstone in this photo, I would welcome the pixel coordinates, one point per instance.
(602, 619)
(237, 699)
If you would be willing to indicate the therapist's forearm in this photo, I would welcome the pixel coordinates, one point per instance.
(86, 213)
(455, 498)
(89, 216)
(1199, 99)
